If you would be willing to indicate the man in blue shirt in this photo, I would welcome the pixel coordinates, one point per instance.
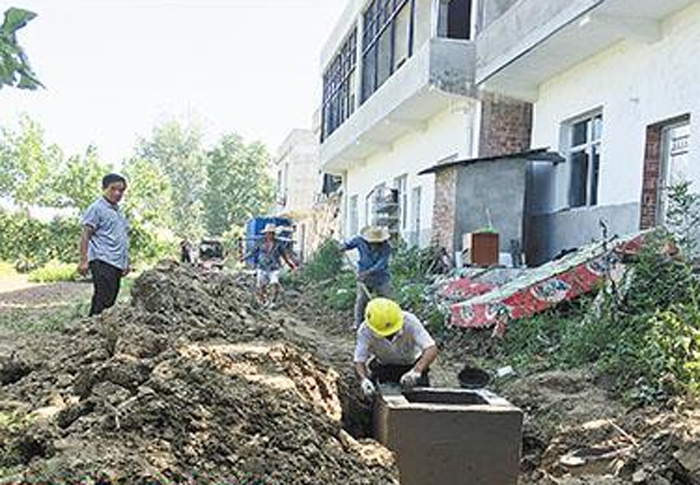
(269, 253)
(372, 268)
(104, 244)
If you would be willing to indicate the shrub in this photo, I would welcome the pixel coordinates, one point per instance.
(325, 264)
(646, 339)
(54, 272)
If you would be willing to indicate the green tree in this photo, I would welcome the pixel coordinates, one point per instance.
(78, 181)
(14, 65)
(239, 185)
(178, 151)
(149, 198)
(26, 164)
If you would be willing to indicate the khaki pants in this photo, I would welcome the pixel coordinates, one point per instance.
(361, 299)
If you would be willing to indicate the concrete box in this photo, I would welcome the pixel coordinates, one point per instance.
(450, 436)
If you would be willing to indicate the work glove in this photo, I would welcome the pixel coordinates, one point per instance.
(368, 387)
(410, 379)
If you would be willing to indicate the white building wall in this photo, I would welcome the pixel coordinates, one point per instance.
(447, 134)
(636, 85)
(297, 160)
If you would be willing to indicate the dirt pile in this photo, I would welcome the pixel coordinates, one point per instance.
(189, 384)
(575, 434)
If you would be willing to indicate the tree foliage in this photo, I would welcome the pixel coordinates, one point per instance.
(15, 70)
(178, 151)
(27, 163)
(149, 200)
(78, 180)
(239, 185)
(175, 187)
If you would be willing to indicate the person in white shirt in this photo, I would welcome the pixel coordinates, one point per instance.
(392, 346)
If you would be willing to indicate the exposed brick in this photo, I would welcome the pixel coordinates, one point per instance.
(652, 163)
(506, 125)
(444, 208)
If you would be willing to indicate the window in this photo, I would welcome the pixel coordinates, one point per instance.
(339, 87)
(584, 159)
(675, 161)
(415, 215)
(401, 185)
(352, 216)
(455, 19)
(386, 41)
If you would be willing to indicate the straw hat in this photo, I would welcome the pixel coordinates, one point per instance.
(269, 228)
(375, 234)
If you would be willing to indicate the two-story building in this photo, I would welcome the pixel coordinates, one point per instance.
(614, 87)
(398, 97)
(412, 85)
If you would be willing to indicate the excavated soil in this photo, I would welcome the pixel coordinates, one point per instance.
(191, 383)
(574, 433)
(187, 384)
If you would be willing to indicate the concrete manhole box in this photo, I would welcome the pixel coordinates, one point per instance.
(450, 436)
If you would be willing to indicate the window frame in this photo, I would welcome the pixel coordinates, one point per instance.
(591, 147)
(401, 185)
(353, 215)
(339, 92)
(416, 203)
(377, 17)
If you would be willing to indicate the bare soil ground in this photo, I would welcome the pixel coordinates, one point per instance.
(191, 383)
(188, 384)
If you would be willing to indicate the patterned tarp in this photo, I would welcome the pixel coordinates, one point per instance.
(543, 287)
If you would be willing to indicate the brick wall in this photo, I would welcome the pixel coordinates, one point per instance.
(652, 166)
(444, 208)
(506, 125)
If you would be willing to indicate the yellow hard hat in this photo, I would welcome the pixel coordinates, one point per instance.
(384, 317)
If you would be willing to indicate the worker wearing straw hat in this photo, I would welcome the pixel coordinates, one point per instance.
(269, 253)
(373, 277)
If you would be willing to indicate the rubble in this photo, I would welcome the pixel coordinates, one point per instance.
(575, 434)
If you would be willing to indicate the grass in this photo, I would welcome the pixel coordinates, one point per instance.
(43, 319)
(54, 272)
(7, 270)
(33, 317)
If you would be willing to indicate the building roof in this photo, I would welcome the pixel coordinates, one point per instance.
(538, 154)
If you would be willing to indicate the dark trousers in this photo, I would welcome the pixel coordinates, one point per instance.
(361, 299)
(105, 279)
(386, 373)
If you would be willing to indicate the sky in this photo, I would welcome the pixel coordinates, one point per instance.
(113, 69)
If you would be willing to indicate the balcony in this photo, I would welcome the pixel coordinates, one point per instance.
(441, 71)
(535, 40)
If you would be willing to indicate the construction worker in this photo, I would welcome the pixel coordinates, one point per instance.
(392, 346)
(104, 244)
(269, 253)
(373, 277)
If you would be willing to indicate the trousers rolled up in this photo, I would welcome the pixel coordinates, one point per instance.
(361, 299)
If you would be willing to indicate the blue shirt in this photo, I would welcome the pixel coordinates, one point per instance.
(110, 241)
(269, 256)
(375, 262)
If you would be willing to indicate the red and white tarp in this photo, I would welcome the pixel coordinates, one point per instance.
(541, 288)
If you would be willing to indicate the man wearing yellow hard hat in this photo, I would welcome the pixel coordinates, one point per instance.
(392, 346)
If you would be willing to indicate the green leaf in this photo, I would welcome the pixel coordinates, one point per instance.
(15, 19)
